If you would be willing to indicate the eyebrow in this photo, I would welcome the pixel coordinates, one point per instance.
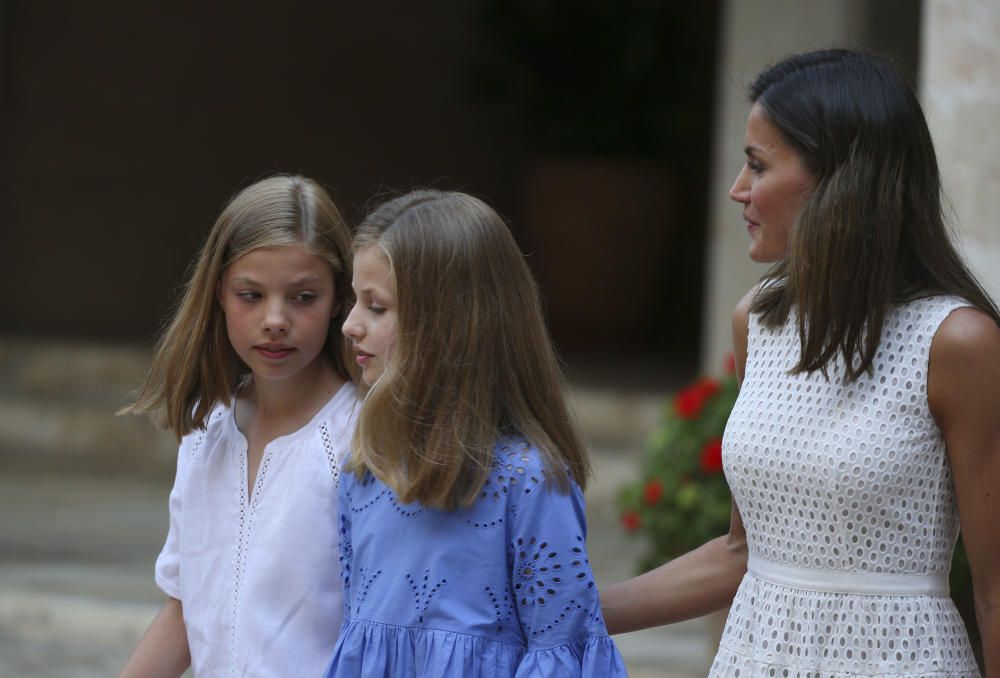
(370, 290)
(307, 279)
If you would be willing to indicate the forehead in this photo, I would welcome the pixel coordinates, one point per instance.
(371, 269)
(762, 135)
(281, 261)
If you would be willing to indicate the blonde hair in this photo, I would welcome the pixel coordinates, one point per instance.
(194, 365)
(472, 363)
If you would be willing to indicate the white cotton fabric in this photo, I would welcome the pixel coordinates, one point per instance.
(850, 513)
(257, 573)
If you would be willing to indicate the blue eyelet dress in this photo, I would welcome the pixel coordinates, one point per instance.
(500, 588)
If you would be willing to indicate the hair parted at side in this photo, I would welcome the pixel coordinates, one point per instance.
(194, 366)
(472, 362)
(873, 232)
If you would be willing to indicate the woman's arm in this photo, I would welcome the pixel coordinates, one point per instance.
(163, 650)
(701, 581)
(963, 390)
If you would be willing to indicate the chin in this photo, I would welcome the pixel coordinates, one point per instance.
(759, 257)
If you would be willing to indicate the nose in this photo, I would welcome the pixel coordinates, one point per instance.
(740, 190)
(353, 329)
(276, 319)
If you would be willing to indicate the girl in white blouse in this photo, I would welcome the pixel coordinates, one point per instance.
(252, 376)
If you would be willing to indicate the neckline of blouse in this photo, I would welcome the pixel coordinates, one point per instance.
(346, 390)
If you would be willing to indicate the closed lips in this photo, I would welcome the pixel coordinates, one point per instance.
(274, 349)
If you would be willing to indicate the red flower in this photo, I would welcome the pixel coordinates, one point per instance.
(711, 456)
(630, 521)
(690, 401)
(730, 364)
(653, 492)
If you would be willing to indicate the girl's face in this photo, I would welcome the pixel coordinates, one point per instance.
(371, 325)
(773, 186)
(278, 302)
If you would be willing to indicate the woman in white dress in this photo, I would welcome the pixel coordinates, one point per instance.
(868, 422)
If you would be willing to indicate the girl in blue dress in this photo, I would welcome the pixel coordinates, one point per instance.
(461, 507)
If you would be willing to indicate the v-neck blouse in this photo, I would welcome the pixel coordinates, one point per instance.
(256, 572)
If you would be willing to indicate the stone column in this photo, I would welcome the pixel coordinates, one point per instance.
(754, 33)
(960, 69)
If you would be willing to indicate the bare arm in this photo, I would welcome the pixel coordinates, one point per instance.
(699, 582)
(694, 584)
(163, 650)
(963, 391)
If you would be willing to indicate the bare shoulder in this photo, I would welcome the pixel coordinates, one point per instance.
(741, 330)
(964, 367)
(742, 310)
(741, 314)
(966, 335)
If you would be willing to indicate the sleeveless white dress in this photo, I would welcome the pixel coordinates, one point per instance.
(847, 497)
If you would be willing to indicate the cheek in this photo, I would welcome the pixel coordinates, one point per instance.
(237, 318)
(239, 330)
(319, 322)
(762, 198)
(778, 209)
(389, 339)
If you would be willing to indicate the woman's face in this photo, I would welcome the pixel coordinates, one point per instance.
(773, 186)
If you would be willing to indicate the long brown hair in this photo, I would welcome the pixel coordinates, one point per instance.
(194, 365)
(472, 362)
(872, 233)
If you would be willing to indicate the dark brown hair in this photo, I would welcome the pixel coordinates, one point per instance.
(873, 232)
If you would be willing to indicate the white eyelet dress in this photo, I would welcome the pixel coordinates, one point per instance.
(847, 497)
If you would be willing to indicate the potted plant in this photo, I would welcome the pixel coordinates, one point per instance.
(680, 499)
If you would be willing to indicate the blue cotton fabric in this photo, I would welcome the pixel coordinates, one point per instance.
(500, 588)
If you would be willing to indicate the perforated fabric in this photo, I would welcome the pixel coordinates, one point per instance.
(842, 489)
(500, 588)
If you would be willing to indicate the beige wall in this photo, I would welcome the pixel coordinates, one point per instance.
(961, 95)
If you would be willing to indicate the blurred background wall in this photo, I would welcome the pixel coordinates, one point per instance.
(127, 126)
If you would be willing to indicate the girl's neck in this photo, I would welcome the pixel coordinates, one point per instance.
(295, 400)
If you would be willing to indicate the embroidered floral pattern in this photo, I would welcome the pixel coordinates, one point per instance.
(540, 596)
(366, 586)
(537, 572)
(422, 595)
(503, 608)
